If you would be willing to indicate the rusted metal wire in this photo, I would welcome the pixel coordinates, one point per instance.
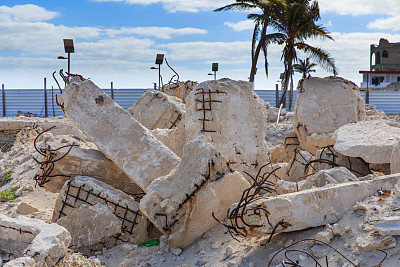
(49, 160)
(65, 78)
(54, 77)
(238, 226)
(176, 74)
(290, 261)
(206, 105)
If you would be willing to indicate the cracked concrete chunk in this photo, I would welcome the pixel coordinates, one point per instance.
(86, 160)
(373, 141)
(84, 190)
(154, 109)
(230, 116)
(89, 225)
(329, 177)
(23, 236)
(21, 262)
(180, 90)
(323, 105)
(315, 207)
(116, 133)
(181, 203)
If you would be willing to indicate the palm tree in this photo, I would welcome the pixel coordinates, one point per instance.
(304, 67)
(295, 23)
(261, 22)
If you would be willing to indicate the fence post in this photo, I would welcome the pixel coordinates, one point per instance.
(4, 99)
(276, 96)
(52, 100)
(112, 90)
(45, 99)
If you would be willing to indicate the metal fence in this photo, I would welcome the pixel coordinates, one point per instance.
(33, 100)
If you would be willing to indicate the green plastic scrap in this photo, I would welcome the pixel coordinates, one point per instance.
(150, 243)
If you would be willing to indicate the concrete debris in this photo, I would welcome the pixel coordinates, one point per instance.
(296, 169)
(203, 177)
(104, 232)
(395, 159)
(22, 261)
(86, 160)
(388, 226)
(154, 109)
(314, 207)
(279, 154)
(121, 138)
(323, 105)
(291, 143)
(174, 139)
(329, 177)
(231, 116)
(99, 224)
(180, 90)
(26, 237)
(330, 158)
(373, 141)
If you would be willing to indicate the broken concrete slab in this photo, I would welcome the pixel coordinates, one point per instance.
(329, 177)
(180, 89)
(181, 204)
(23, 236)
(357, 166)
(395, 159)
(323, 105)
(86, 160)
(296, 169)
(116, 133)
(87, 190)
(373, 141)
(89, 225)
(21, 262)
(154, 109)
(314, 207)
(388, 226)
(230, 116)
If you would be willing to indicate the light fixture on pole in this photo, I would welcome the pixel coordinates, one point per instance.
(68, 48)
(214, 68)
(159, 61)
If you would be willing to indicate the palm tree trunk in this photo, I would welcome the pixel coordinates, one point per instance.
(254, 58)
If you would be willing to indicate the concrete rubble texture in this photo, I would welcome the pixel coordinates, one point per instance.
(180, 89)
(296, 169)
(86, 160)
(315, 207)
(121, 138)
(373, 141)
(328, 177)
(154, 109)
(23, 236)
(231, 116)
(203, 179)
(395, 159)
(90, 225)
(83, 190)
(322, 106)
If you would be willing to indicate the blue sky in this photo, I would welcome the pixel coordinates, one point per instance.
(117, 41)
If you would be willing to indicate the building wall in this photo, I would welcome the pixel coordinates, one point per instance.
(385, 56)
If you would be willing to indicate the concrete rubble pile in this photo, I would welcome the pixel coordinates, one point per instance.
(184, 159)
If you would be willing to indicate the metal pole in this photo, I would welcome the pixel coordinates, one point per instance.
(69, 62)
(276, 95)
(45, 99)
(112, 90)
(159, 77)
(4, 99)
(52, 101)
(367, 93)
(215, 75)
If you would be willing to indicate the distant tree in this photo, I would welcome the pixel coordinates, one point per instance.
(304, 67)
(261, 22)
(294, 22)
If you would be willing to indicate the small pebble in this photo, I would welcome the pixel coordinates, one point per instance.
(177, 251)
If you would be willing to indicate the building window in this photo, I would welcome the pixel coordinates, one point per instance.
(377, 58)
(398, 79)
(385, 54)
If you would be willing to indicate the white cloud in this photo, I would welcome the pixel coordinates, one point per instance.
(391, 23)
(158, 32)
(241, 25)
(360, 7)
(180, 5)
(26, 13)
